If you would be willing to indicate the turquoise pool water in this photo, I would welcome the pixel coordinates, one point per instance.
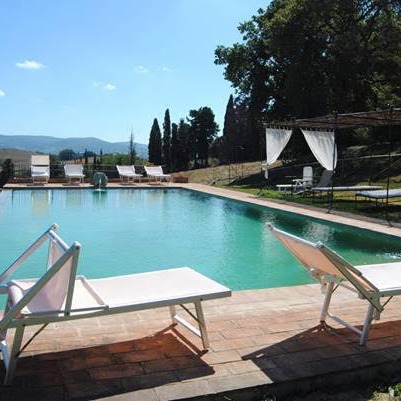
(124, 231)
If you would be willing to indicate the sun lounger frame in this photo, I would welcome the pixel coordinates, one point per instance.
(156, 173)
(127, 174)
(340, 273)
(40, 169)
(14, 318)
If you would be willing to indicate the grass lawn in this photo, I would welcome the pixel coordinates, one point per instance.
(342, 201)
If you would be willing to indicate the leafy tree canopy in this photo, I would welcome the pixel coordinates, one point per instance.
(304, 58)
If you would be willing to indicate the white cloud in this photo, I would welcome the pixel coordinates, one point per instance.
(110, 87)
(166, 69)
(30, 65)
(104, 86)
(2, 93)
(140, 69)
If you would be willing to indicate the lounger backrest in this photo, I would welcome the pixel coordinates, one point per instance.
(126, 169)
(54, 290)
(307, 176)
(153, 170)
(40, 160)
(321, 262)
(308, 254)
(73, 169)
(325, 179)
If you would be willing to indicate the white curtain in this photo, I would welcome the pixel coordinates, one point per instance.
(276, 139)
(323, 146)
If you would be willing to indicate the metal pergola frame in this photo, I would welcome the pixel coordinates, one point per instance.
(335, 121)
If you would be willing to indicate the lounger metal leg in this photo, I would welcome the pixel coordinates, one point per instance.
(11, 360)
(326, 303)
(199, 318)
(173, 313)
(367, 325)
(202, 324)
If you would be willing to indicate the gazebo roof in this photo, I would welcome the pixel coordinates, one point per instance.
(348, 120)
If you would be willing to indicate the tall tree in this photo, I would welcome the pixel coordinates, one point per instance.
(7, 171)
(303, 58)
(231, 139)
(155, 144)
(131, 149)
(203, 131)
(175, 148)
(184, 149)
(167, 140)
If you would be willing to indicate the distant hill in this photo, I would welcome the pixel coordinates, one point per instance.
(49, 144)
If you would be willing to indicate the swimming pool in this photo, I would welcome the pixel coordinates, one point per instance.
(124, 231)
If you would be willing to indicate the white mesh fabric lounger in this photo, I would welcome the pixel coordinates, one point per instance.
(59, 295)
(74, 171)
(156, 173)
(380, 194)
(127, 173)
(40, 168)
(347, 188)
(377, 283)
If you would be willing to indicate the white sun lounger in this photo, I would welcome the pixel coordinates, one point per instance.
(377, 283)
(74, 171)
(59, 295)
(156, 173)
(380, 194)
(40, 168)
(127, 174)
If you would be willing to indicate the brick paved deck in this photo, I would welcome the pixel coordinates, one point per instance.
(262, 341)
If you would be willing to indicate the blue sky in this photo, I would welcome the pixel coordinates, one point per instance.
(99, 67)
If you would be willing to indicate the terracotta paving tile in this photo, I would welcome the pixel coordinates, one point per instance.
(213, 358)
(205, 371)
(149, 381)
(179, 391)
(242, 333)
(139, 395)
(138, 356)
(231, 344)
(229, 383)
(159, 365)
(239, 367)
(93, 389)
(116, 371)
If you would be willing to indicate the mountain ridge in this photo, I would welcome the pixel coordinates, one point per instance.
(50, 144)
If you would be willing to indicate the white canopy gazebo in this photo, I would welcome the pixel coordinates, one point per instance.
(320, 134)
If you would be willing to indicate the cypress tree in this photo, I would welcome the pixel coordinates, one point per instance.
(175, 148)
(131, 149)
(185, 145)
(167, 140)
(231, 140)
(155, 144)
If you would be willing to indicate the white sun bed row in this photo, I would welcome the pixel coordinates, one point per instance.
(59, 295)
(128, 173)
